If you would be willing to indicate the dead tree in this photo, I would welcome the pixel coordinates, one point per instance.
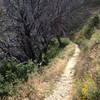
(32, 24)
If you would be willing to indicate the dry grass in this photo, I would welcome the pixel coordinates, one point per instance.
(41, 85)
(87, 68)
(88, 61)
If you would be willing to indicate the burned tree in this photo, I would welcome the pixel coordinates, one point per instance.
(22, 20)
(32, 24)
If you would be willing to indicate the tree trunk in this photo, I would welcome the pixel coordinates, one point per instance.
(59, 40)
(30, 50)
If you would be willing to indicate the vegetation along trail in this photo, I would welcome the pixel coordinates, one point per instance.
(63, 87)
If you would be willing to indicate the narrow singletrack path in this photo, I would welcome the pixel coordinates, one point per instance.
(63, 88)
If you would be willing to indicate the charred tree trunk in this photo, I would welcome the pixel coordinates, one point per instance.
(59, 41)
(30, 51)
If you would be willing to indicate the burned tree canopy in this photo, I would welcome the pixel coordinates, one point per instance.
(32, 24)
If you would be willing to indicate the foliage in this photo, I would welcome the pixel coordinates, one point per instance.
(86, 89)
(55, 49)
(11, 72)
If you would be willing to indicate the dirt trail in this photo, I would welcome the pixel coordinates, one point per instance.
(63, 87)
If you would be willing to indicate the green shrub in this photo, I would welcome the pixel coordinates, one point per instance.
(55, 49)
(11, 72)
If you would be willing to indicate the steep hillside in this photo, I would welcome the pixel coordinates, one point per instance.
(87, 76)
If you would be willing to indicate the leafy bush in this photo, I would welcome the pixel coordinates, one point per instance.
(11, 72)
(55, 49)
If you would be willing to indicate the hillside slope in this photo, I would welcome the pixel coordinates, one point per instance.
(87, 76)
